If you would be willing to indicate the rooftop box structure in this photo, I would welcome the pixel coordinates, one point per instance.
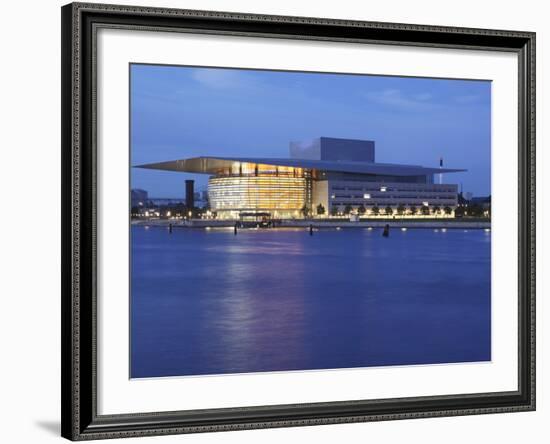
(330, 148)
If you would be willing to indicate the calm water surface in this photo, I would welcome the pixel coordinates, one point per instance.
(209, 302)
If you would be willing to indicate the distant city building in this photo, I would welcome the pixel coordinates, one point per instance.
(201, 199)
(483, 201)
(337, 175)
(139, 198)
(461, 200)
(165, 201)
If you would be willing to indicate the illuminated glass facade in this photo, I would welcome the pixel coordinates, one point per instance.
(281, 196)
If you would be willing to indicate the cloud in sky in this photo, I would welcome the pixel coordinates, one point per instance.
(223, 79)
(422, 96)
(395, 98)
(467, 99)
(249, 88)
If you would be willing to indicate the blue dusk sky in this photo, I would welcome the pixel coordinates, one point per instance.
(180, 112)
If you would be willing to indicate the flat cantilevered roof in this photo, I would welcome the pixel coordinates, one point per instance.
(215, 165)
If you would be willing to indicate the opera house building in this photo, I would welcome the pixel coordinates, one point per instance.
(323, 177)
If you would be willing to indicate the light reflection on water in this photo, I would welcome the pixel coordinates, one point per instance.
(210, 302)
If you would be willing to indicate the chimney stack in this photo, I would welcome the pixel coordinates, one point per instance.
(190, 194)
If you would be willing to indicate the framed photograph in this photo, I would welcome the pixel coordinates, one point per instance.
(281, 221)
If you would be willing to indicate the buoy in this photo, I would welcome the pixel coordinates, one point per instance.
(386, 232)
(235, 229)
(310, 229)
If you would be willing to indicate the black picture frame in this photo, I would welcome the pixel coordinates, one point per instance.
(80, 420)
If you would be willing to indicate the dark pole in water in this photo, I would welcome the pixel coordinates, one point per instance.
(235, 229)
(170, 228)
(311, 229)
(386, 232)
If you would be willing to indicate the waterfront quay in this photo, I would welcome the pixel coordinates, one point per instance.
(463, 224)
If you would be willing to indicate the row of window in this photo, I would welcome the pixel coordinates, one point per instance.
(393, 196)
(385, 204)
(385, 189)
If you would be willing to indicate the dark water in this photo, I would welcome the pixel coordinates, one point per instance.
(209, 302)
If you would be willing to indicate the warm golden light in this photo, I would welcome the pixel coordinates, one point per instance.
(282, 193)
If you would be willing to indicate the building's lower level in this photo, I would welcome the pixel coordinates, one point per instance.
(372, 198)
(297, 197)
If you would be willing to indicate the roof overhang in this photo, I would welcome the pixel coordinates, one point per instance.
(216, 165)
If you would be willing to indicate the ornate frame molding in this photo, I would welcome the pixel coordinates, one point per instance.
(80, 22)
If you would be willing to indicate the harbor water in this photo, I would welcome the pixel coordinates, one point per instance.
(206, 301)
